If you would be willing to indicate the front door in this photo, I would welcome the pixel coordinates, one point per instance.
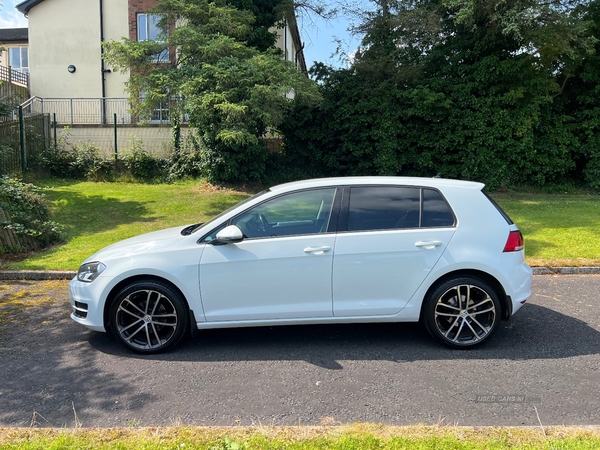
(282, 268)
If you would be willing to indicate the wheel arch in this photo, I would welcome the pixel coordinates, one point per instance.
(142, 277)
(505, 301)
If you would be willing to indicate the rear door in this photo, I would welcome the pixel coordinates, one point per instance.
(390, 238)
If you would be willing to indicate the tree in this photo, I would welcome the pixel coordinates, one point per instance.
(225, 74)
(496, 91)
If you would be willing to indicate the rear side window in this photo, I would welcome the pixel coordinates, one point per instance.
(393, 207)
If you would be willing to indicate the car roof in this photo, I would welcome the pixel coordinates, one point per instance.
(371, 180)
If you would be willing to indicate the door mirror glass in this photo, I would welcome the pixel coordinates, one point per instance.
(229, 235)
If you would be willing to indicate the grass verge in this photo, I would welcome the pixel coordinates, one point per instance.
(559, 229)
(356, 436)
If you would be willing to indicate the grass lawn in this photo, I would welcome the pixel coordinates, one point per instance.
(95, 215)
(350, 437)
(560, 230)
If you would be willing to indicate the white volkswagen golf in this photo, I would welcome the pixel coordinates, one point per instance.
(336, 250)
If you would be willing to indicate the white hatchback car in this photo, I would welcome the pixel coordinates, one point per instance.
(336, 250)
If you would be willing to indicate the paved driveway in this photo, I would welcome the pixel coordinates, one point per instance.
(54, 372)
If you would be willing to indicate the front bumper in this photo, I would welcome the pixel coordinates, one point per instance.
(86, 305)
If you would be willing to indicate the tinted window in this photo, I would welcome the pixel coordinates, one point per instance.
(383, 207)
(436, 212)
(305, 212)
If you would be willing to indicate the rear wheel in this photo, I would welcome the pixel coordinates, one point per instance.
(462, 312)
(148, 317)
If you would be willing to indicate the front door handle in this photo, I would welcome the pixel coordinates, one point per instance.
(317, 250)
(429, 245)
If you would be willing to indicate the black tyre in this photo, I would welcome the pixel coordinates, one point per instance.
(148, 317)
(462, 312)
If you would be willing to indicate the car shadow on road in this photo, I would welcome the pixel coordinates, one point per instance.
(535, 332)
(49, 377)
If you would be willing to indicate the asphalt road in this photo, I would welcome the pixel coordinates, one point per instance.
(545, 363)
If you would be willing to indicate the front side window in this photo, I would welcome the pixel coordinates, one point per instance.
(305, 212)
(148, 30)
(393, 207)
(19, 59)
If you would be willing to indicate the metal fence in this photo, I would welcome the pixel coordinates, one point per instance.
(93, 111)
(22, 141)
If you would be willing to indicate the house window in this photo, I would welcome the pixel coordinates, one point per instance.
(18, 59)
(161, 114)
(148, 30)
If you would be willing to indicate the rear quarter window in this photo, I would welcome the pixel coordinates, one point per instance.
(500, 210)
(436, 211)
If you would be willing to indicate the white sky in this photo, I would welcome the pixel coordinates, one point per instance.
(319, 37)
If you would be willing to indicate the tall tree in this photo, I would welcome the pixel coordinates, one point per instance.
(226, 75)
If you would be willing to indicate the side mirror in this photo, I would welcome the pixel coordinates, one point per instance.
(229, 235)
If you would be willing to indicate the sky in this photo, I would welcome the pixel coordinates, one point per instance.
(319, 36)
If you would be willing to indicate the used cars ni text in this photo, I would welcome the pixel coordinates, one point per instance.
(335, 250)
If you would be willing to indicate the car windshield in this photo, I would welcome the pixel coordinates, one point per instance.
(217, 217)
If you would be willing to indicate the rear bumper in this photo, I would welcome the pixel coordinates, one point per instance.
(519, 282)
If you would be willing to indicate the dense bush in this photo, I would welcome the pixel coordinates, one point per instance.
(25, 214)
(472, 99)
(83, 162)
(143, 166)
(79, 161)
(462, 123)
(186, 160)
(88, 164)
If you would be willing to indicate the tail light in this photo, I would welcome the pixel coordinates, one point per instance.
(514, 243)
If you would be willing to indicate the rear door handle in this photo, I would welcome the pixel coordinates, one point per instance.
(317, 250)
(429, 245)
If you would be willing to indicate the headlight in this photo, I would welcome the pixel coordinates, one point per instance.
(88, 272)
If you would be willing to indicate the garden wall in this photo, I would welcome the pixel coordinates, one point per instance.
(156, 140)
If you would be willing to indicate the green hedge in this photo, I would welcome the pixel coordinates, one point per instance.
(25, 223)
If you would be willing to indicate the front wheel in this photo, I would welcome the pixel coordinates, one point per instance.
(462, 312)
(148, 317)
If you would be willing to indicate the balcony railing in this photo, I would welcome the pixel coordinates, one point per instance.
(14, 76)
(93, 111)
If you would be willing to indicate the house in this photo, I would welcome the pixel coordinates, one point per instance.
(14, 62)
(66, 54)
(15, 53)
(70, 81)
